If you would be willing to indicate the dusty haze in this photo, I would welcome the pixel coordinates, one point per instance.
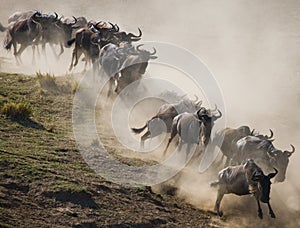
(252, 48)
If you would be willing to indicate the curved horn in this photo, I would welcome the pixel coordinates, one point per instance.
(136, 36)
(271, 175)
(220, 115)
(75, 21)
(196, 98)
(99, 22)
(138, 47)
(116, 28)
(293, 149)
(56, 15)
(154, 51)
(271, 135)
(252, 132)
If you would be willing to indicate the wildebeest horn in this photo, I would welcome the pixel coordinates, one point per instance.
(220, 115)
(271, 175)
(136, 36)
(196, 98)
(271, 135)
(138, 47)
(116, 27)
(75, 21)
(56, 15)
(290, 152)
(154, 51)
(96, 25)
(252, 132)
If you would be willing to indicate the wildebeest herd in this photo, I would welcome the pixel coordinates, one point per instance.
(102, 44)
(249, 155)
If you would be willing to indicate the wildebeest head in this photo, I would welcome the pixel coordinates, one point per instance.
(142, 58)
(264, 185)
(66, 27)
(44, 19)
(280, 160)
(263, 137)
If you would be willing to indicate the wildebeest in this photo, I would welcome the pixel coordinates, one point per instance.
(88, 41)
(17, 16)
(58, 33)
(27, 32)
(133, 67)
(263, 152)
(244, 179)
(165, 115)
(193, 128)
(231, 136)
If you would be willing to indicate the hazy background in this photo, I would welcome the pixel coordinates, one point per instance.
(252, 48)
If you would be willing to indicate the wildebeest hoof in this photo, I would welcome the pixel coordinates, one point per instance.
(220, 213)
(273, 215)
(260, 215)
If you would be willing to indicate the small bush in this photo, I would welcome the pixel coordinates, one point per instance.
(47, 81)
(19, 111)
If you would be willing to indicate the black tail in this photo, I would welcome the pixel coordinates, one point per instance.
(214, 183)
(70, 42)
(139, 130)
(7, 41)
(2, 28)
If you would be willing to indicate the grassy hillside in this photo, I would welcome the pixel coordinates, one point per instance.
(44, 182)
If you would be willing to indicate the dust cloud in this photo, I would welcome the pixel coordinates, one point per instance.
(252, 48)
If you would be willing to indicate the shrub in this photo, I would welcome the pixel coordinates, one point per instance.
(19, 111)
(47, 81)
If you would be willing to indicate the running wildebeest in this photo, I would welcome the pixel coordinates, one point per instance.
(58, 33)
(193, 128)
(166, 114)
(263, 152)
(245, 179)
(230, 138)
(27, 32)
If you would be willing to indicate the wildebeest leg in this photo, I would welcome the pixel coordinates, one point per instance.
(260, 214)
(188, 151)
(33, 54)
(54, 52)
(19, 52)
(110, 86)
(271, 211)
(144, 137)
(227, 161)
(218, 202)
(61, 50)
(44, 49)
(173, 134)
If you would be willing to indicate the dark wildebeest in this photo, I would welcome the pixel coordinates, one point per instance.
(231, 136)
(263, 152)
(27, 32)
(165, 115)
(58, 33)
(112, 57)
(88, 41)
(245, 179)
(193, 128)
(134, 67)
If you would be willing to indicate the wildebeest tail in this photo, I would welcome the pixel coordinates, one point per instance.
(7, 41)
(2, 28)
(139, 130)
(214, 183)
(70, 42)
